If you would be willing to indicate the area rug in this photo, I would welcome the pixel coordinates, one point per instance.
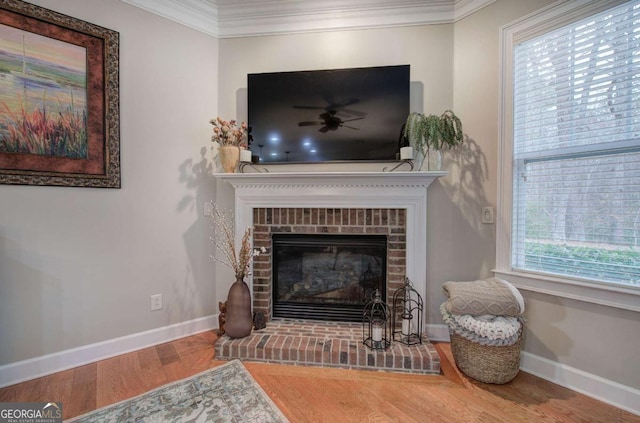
(227, 393)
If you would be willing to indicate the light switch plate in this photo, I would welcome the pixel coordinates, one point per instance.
(487, 215)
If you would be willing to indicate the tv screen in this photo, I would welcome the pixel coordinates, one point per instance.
(328, 115)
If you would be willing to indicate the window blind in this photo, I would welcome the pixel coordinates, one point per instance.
(577, 149)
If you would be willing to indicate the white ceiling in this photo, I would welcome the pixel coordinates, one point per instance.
(242, 18)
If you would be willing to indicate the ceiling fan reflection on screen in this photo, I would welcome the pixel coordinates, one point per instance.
(331, 120)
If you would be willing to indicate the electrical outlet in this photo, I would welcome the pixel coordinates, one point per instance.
(156, 302)
(487, 215)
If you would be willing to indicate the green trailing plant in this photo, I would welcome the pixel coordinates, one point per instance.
(432, 132)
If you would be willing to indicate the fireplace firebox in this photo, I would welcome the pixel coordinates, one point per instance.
(327, 276)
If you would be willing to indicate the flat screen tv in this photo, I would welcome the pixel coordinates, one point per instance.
(328, 115)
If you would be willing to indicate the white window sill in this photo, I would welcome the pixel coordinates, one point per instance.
(607, 295)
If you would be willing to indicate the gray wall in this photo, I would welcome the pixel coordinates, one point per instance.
(77, 265)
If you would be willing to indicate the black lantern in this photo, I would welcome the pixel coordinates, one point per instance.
(375, 323)
(407, 315)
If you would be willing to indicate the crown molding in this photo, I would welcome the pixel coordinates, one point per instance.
(246, 18)
(201, 15)
(464, 8)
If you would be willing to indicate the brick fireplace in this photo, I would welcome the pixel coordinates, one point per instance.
(341, 190)
(393, 204)
(270, 221)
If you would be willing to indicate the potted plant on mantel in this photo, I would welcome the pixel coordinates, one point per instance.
(430, 134)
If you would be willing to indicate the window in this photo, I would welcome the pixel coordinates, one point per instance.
(571, 134)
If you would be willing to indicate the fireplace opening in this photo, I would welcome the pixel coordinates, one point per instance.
(327, 276)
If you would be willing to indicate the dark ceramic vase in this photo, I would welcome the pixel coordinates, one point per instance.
(239, 320)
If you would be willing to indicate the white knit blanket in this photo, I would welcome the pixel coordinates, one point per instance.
(484, 330)
(489, 326)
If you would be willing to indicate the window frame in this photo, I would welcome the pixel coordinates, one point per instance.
(546, 19)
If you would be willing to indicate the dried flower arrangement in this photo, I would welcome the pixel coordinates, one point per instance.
(226, 132)
(224, 240)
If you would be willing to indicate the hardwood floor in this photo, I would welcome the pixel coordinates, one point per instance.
(312, 394)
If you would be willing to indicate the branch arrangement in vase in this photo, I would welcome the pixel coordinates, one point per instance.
(224, 239)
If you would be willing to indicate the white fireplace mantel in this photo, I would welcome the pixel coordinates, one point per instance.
(406, 190)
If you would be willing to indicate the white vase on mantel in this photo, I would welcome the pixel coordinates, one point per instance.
(434, 160)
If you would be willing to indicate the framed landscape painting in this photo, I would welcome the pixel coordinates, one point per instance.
(59, 99)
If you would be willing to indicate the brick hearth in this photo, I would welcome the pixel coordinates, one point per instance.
(326, 344)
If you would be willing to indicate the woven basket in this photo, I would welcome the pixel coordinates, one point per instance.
(486, 363)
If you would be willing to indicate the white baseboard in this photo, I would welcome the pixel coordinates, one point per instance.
(610, 392)
(21, 371)
(437, 333)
